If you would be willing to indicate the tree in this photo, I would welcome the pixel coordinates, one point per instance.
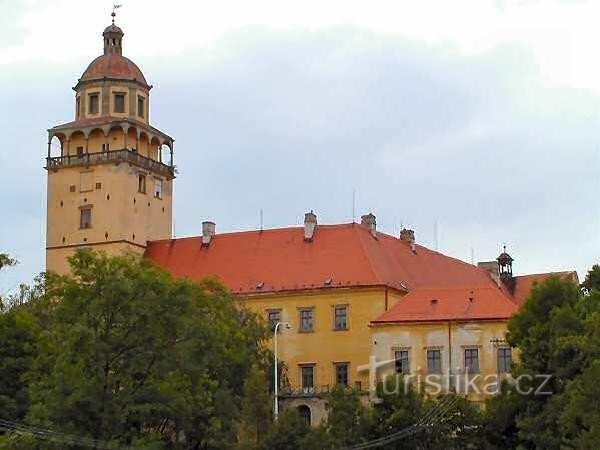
(6, 261)
(557, 332)
(130, 355)
(289, 432)
(18, 348)
(256, 417)
(348, 420)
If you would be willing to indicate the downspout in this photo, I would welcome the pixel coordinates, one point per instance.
(386, 298)
(449, 354)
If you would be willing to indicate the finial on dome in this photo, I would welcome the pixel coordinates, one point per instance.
(113, 35)
(114, 12)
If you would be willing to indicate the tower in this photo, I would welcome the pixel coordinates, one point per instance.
(505, 270)
(110, 187)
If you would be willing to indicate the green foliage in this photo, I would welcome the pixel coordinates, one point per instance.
(6, 261)
(257, 403)
(288, 433)
(126, 354)
(557, 331)
(348, 421)
(18, 347)
(592, 279)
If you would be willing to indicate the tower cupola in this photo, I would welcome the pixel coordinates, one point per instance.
(113, 38)
(505, 264)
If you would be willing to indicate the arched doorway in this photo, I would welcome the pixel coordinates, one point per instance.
(305, 414)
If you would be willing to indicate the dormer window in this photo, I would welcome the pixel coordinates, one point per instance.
(141, 106)
(94, 104)
(120, 102)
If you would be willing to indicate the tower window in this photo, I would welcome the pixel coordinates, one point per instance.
(85, 217)
(142, 183)
(141, 106)
(94, 104)
(78, 107)
(158, 188)
(120, 102)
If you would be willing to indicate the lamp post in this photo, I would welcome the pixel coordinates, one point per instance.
(276, 403)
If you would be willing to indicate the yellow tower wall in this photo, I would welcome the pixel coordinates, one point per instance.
(122, 217)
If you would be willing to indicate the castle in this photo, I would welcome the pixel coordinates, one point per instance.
(351, 294)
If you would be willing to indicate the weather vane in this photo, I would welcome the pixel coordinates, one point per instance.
(114, 11)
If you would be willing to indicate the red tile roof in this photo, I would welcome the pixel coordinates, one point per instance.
(281, 259)
(524, 283)
(440, 304)
(113, 65)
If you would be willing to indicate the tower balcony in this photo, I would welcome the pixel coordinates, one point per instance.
(111, 157)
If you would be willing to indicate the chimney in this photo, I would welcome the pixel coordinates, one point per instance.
(369, 221)
(208, 231)
(492, 268)
(408, 236)
(310, 225)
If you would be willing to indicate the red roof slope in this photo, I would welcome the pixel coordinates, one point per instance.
(524, 283)
(113, 65)
(435, 304)
(282, 260)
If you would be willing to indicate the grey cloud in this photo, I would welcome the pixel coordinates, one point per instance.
(286, 122)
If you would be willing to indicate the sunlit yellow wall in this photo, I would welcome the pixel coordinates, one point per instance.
(325, 346)
(122, 217)
(452, 338)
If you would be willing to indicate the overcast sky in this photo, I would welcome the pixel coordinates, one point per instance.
(482, 117)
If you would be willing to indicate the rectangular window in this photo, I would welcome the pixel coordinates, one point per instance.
(158, 188)
(105, 147)
(340, 317)
(504, 360)
(341, 374)
(78, 107)
(141, 106)
(94, 104)
(80, 152)
(306, 320)
(273, 317)
(119, 102)
(401, 361)
(142, 183)
(472, 360)
(434, 361)
(308, 378)
(85, 217)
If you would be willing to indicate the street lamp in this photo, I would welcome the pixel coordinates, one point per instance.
(276, 403)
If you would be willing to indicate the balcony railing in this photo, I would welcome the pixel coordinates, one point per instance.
(112, 156)
(315, 391)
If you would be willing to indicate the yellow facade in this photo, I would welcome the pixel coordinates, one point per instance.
(325, 346)
(451, 339)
